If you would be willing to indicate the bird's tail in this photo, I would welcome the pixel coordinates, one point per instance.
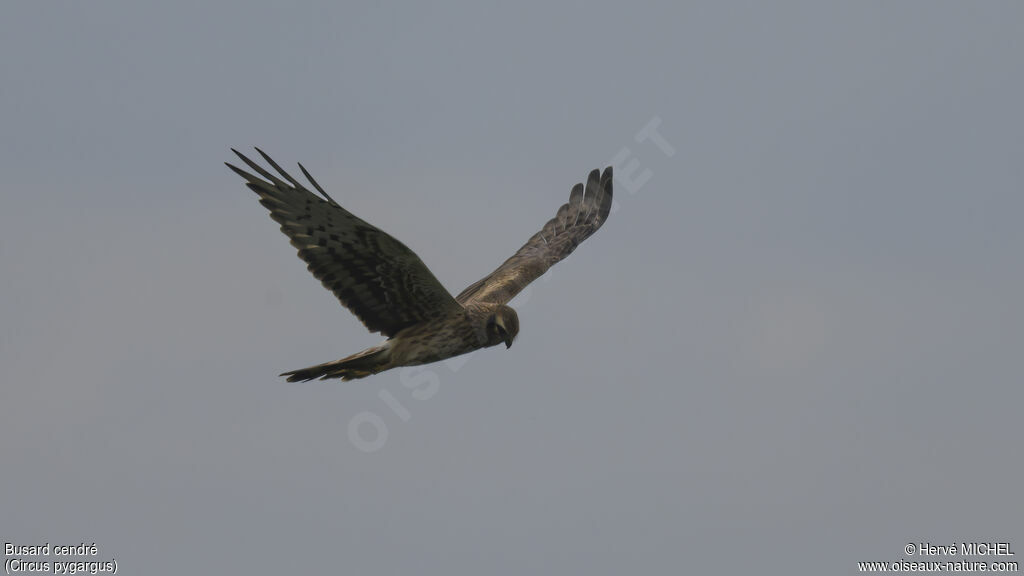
(358, 365)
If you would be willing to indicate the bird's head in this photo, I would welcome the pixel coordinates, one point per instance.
(502, 326)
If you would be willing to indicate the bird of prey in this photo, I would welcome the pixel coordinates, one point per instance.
(387, 286)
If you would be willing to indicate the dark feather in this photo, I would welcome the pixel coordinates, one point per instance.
(374, 275)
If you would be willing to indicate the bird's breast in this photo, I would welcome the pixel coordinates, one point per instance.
(435, 340)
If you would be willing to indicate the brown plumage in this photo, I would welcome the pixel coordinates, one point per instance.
(392, 291)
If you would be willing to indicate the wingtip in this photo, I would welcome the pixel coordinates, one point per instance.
(248, 177)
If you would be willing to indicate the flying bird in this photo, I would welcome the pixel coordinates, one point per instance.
(388, 287)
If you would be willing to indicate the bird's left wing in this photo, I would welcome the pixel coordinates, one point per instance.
(576, 220)
(374, 275)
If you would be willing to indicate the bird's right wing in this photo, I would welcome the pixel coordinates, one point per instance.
(576, 220)
(374, 275)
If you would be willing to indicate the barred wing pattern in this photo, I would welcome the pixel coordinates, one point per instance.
(575, 221)
(384, 283)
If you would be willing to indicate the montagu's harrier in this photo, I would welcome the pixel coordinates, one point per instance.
(390, 289)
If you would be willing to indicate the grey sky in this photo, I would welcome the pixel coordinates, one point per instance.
(795, 345)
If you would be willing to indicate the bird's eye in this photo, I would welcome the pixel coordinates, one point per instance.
(493, 326)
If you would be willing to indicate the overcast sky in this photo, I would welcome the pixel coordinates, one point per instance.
(795, 345)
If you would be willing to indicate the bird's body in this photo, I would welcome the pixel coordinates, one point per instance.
(432, 341)
(389, 288)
